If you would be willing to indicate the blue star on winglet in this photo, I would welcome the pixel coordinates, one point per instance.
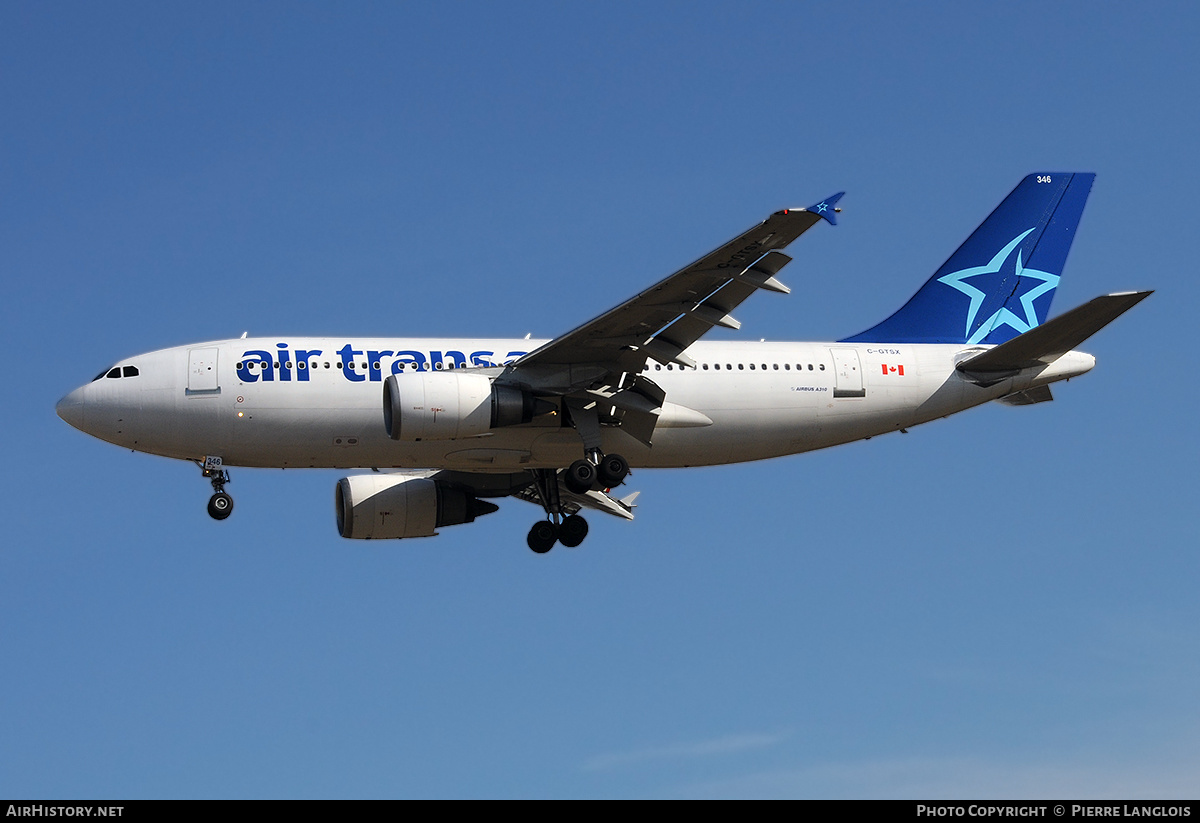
(1037, 282)
(826, 208)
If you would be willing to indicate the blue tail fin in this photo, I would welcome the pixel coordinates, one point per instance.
(1000, 282)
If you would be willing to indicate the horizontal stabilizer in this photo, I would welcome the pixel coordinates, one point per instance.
(1038, 394)
(1051, 340)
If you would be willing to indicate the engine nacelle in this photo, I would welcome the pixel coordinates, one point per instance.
(373, 506)
(449, 405)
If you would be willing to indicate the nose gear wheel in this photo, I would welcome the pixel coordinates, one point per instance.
(220, 505)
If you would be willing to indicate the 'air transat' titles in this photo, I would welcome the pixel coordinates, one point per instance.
(358, 365)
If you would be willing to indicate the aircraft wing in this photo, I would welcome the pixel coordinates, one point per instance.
(671, 315)
(593, 499)
(520, 486)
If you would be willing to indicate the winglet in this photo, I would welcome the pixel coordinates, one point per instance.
(826, 208)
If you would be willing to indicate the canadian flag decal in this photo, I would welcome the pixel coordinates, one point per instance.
(892, 370)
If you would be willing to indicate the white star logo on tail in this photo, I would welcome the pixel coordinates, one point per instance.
(1002, 316)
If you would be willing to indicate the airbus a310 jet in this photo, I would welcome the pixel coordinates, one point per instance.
(445, 425)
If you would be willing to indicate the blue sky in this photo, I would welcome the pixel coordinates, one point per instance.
(998, 604)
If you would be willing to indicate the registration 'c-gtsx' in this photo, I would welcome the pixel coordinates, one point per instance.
(446, 425)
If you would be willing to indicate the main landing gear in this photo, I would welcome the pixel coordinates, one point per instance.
(545, 533)
(220, 505)
(580, 477)
(609, 469)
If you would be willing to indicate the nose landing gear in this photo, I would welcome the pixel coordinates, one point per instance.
(220, 505)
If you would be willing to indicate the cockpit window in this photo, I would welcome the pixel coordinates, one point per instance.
(117, 371)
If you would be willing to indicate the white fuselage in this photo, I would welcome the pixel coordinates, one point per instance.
(764, 400)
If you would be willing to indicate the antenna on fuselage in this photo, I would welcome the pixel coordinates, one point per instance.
(243, 337)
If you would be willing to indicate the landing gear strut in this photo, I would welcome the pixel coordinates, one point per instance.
(596, 470)
(220, 505)
(609, 469)
(569, 530)
(544, 533)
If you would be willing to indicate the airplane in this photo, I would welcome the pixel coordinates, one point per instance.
(446, 425)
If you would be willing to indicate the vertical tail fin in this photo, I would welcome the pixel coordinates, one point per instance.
(1001, 280)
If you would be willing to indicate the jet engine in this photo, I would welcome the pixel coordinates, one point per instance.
(373, 506)
(448, 405)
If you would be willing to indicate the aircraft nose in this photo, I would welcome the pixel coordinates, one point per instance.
(70, 408)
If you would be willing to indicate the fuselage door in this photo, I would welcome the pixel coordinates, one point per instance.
(848, 374)
(202, 372)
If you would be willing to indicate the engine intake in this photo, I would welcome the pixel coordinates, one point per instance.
(374, 506)
(448, 406)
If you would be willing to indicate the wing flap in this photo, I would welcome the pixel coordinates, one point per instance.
(595, 500)
(602, 502)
